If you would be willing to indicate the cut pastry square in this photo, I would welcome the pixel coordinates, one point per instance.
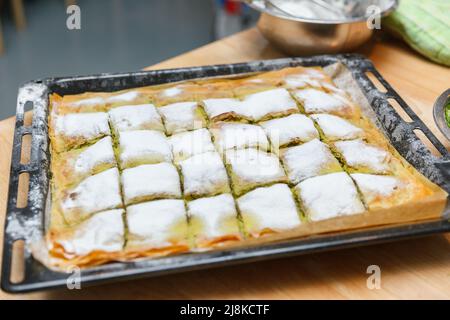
(143, 147)
(308, 160)
(96, 101)
(318, 101)
(157, 228)
(269, 104)
(127, 97)
(384, 191)
(362, 157)
(214, 89)
(250, 168)
(204, 175)
(71, 167)
(213, 221)
(254, 85)
(187, 144)
(92, 241)
(182, 116)
(233, 135)
(290, 130)
(268, 210)
(329, 196)
(76, 129)
(336, 128)
(78, 103)
(175, 93)
(150, 181)
(225, 109)
(304, 78)
(135, 117)
(94, 194)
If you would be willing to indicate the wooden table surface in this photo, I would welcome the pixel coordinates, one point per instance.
(417, 268)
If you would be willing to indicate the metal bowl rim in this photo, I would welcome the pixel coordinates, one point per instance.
(385, 12)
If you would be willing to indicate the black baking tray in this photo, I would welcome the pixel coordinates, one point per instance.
(29, 222)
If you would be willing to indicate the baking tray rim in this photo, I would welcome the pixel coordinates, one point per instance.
(315, 243)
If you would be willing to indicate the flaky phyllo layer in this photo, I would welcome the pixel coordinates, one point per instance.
(209, 164)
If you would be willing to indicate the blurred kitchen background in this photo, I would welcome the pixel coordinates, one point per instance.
(115, 36)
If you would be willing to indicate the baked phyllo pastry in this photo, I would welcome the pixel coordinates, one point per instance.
(187, 144)
(143, 147)
(212, 163)
(250, 168)
(85, 102)
(213, 221)
(169, 94)
(135, 117)
(77, 129)
(362, 157)
(268, 210)
(290, 130)
(269, 104)
(233, 135)
(204, 175)
(254, 107)
(94, 194)
(94, 241)
(149, 182)
(127, 97)
(336, 128)
(71, 167)
(182, 116)
(156, 228)
(298, 78)
(225, 109)
(96, 101)
(319, 101)
(386, 191)
(329, 196)
(252, 85)
(308, 160)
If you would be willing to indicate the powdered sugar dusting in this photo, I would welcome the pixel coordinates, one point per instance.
(375, 186)
(316, 101)
(152, 223)
(151, 180)
(180, 116)
(135, 117)
(146, 146)
(238, 135)
(359, 154)
(269, 208)
(336, 128)
(212, 212)
(329, 196)
(102, 232)
(308, 160)
(99, 153)
(95, 193)
(187, 144)
(294, 128)
(82, 125)
(204, 174)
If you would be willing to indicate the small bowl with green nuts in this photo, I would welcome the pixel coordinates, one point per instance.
(441, 113)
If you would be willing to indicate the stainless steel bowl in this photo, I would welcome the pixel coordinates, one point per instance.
(307, 35)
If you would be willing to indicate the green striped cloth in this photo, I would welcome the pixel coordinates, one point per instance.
(425, 26)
